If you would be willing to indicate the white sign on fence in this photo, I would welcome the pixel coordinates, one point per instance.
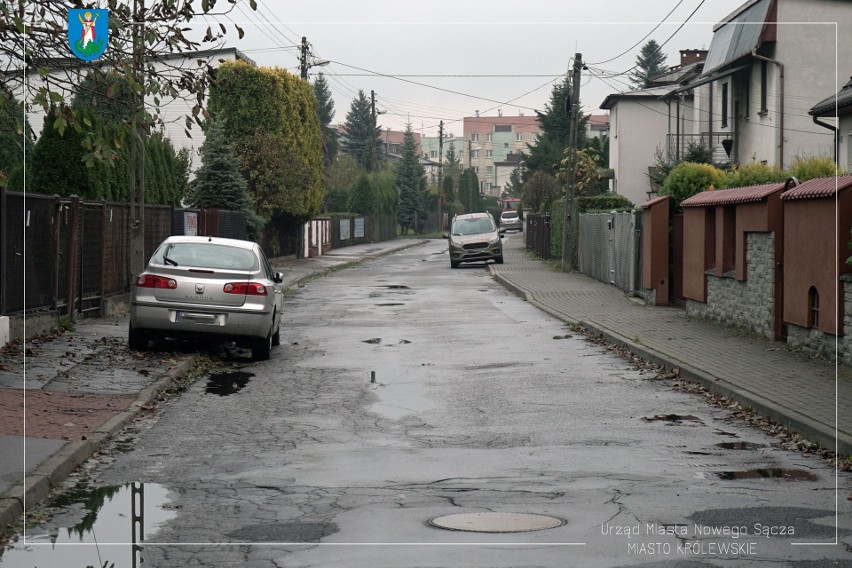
(359, 228)
(344, 229)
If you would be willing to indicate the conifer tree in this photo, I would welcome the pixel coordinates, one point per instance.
(411, 182)
(650, 61)
(219, 183)
(362, 138)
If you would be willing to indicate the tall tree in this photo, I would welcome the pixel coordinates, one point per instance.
(650, 61)
(270, 119)
(325, 109)
(16, 142)
(411, 182)
(362, 138)
(219, 183)
(546, 153)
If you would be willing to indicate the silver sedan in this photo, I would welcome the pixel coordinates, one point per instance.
(207, 287)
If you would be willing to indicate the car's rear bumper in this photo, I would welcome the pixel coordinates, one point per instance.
(191, 320)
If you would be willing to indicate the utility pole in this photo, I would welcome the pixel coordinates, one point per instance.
(373, 132)
(136, 249)
(303, 59)
(569, 251)
(441, 176)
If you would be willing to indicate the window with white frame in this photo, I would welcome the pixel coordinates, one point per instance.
(474, 137)
(476, 170)
(489, 137)
(519, 136)
(489, 153)
(433, 154)
(474, 154)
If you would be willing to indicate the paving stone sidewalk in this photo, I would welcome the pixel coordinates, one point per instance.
(810, 396)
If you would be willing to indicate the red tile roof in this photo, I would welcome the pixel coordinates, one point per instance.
(819, 187)
(654, 201)
(748, 194)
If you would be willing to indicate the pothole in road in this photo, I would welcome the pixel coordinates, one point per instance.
(769, 473)
(496, 522)
(739, 446)
(285, 532)
(675, 418)
(228, 383)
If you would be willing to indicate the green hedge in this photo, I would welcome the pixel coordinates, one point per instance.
(606, 202)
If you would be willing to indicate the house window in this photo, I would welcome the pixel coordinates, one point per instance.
(474, 137)
(489, 137)
(764, 70)
(724, 105)
(519, 136)
(813, 307)
(489, 153)
(474, 154)
(476, 170)
(535, 137)
(433, 154)
(489, 170)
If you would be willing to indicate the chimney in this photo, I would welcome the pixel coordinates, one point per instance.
(477, 112)
(690, 56)
(499, 112)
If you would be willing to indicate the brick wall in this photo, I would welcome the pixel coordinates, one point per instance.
(743, 304)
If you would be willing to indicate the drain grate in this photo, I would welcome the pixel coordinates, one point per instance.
(496, 522)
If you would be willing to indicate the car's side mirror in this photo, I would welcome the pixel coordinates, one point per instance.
(279, 278)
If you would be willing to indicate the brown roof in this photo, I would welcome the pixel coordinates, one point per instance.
(748, 194)
(654, 201)
(819, 187)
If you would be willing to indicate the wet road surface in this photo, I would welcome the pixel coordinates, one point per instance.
(480, 404)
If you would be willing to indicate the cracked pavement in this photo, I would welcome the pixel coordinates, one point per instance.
(481, 403)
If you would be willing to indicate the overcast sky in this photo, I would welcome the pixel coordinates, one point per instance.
(529, 44)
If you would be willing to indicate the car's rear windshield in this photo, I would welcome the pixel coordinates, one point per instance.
(473, 226)
(205, 255)
(509, 215)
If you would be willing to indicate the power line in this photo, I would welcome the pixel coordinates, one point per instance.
(641, 40)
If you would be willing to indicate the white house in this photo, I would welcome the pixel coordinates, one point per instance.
(640, 125)
(767, 62)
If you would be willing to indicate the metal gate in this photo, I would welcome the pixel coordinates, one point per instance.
(609, 248)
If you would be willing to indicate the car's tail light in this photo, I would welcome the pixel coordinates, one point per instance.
(245, 288)
(151, 281)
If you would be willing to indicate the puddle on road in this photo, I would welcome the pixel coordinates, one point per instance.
(225, 384)
(99, 536)
(769, 473)
(739, 446)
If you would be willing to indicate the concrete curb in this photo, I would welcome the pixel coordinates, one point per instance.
(814, 431)
(53, 471)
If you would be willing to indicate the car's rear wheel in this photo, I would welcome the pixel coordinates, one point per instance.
(261, 349)
(276, 337)
(137, 339)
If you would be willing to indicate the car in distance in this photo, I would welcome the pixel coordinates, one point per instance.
(474, 237)
(510, 221)
(207, 287)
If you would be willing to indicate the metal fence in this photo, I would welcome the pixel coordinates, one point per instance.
(67, 254)
(538, 234)
(609, 248)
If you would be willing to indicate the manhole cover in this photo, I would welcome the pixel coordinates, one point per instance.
(496, 522)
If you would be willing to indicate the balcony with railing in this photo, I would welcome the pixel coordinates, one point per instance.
(721, 144)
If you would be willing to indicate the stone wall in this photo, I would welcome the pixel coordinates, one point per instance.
(746, 305)
(825, 345)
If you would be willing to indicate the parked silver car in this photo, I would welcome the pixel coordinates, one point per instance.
(510, 221)
(474, 237)
(207, 287)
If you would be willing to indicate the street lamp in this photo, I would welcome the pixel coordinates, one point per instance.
(303, 60)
